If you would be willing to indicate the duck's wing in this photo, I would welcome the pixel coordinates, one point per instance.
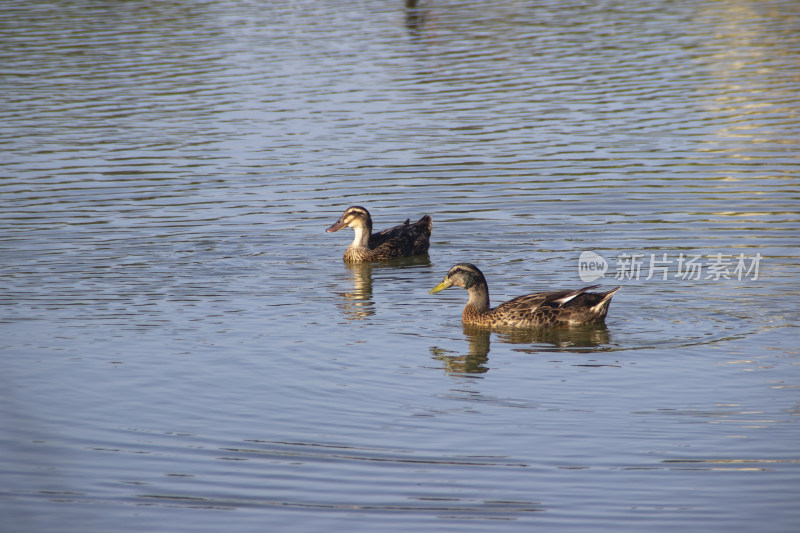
(546, 308)
(532, 302)
(407, 237)
(376, 239)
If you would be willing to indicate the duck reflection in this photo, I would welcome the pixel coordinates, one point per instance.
(474, 361)
(574, 338)
(415, 16)
(569, 339)
(357, 304)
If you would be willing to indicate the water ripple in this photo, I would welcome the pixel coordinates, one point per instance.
(179, 332)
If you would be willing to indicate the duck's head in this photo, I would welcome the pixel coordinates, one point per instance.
(353, 217)
(462, 275)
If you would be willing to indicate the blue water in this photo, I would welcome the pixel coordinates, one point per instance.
(183, 349)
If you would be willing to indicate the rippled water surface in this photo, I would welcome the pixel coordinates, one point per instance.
(183, 349)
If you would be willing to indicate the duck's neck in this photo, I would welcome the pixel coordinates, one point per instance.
(361, 239)
(478, 298)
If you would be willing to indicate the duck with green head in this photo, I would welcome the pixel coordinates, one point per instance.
(556, 308)
(403, 240)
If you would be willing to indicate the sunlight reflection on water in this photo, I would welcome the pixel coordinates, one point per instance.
(181, 337)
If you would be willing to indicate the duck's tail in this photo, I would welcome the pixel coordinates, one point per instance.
(425, 222)
(601, 307)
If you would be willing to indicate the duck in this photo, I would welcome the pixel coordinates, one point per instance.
(541, 309)
(403, 240)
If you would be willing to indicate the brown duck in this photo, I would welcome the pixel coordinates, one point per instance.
(557, 308)
(403, 240)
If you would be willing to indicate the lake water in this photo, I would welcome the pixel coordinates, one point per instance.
(183, 349)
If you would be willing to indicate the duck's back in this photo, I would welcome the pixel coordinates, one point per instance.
(402, 240)
(550, 309)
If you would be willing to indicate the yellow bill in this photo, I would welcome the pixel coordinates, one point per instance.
(440, 287)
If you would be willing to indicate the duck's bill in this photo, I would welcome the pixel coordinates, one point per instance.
(336, 227)
(440, 287)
